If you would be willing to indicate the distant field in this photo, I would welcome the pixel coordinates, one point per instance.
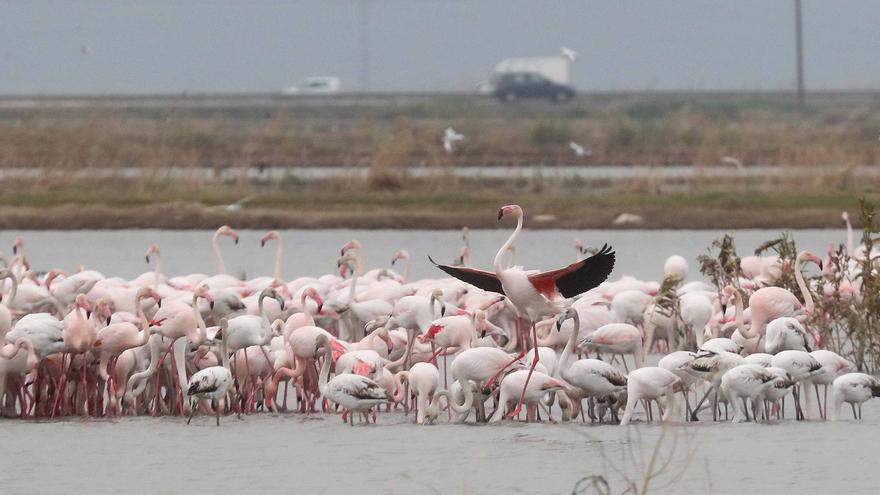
(825, 154)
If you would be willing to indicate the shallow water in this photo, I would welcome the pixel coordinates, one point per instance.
(322, 455)
(265, 453)
(640, 253)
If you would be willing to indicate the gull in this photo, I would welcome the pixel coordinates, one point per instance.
(579, 150)
(729, 160)
(568, 53)
(238, 205)
(450, 137)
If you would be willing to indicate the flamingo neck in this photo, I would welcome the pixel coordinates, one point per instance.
(406, 270)
(7, 301)
(569, 347)
(203, 331)
(279, 253)
(218, 258)
(267, 327)
(738, 301)
(324, 376)
(802, 285)
(309, 318)
(142, 319)
(510, 242)
(351, 289)
(224, 351)
(401, 387)
(158, 273)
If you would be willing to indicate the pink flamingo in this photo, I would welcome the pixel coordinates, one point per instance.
(536, 295)
(114, 339)
(769, 303)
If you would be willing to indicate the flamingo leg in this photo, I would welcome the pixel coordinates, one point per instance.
(522, 396)
(191, 411)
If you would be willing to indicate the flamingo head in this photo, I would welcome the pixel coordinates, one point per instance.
(52, 275)
(270, 292)
(320, 344)
(272, 234)
(203, 292)
(348, 246)
(18, 244)
(102, 308)
(312, 294)
(228, 231)
(82, 301)
(579, 245)
(147, 292)
(569, 313)
(811, 257)
(153, 249)
(400, 255)
(845, 216)
(515, 210)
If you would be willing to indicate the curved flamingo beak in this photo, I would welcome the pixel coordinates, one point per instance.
(500, 214)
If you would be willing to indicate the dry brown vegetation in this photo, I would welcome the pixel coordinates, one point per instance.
(82, 156)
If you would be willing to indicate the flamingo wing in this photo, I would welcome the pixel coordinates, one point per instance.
(576, 278)
(482, 279)
(359, 387)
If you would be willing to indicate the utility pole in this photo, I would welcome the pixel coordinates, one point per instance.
(799, 46)
(364, 40)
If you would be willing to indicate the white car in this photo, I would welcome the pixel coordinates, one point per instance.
(317, 85)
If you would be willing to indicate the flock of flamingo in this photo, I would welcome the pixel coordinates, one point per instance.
(361, 342)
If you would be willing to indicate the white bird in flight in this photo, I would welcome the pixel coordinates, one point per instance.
(579, 150)
(729, 160)
(238, 205)
(450, 137)
(568, 53)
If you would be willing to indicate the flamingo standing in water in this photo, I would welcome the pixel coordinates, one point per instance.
(536, 295)
(213, 382)
(354, 392)
(649, 383)
(855, 389)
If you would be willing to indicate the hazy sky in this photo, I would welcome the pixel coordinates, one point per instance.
(121, 46)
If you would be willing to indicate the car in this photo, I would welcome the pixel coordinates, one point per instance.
(515, 85)
(316, 85)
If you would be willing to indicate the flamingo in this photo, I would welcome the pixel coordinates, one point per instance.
(114, 339)
(833, 365)
(213, 382)
(801, 366)
(747, 382)
(424, 382)
(478, 364)
(535, 389)
(222, 280)
(536, 295)
(585, 377)
(786, 333)
(854, 389)
(676, 266)
(769, 303)
(354, 392)
(616, 338)
(649, 383)
(5, 313)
